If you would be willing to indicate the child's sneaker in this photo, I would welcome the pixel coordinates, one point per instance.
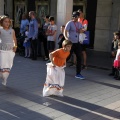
(4, 82)
(79, 76)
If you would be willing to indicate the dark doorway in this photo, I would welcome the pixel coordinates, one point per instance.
(90, 13)
(77, 7)
(91, 17)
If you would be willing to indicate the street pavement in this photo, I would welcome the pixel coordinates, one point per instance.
(95, 98)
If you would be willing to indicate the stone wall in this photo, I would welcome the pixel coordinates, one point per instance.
(53, 8)
(115, 19)
(103, 25)
(107, 21)
(64, 13)
(9, 8)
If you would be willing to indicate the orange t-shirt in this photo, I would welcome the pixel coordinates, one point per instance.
(83, 22)
(59, 57)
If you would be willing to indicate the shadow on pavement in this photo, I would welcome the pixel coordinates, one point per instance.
(106, 84)
(11, 111)
(68, 105)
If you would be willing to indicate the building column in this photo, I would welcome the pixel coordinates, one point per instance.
(9, 10)
(115, 18)
(102, 40)
(64, 12)
(1, 7)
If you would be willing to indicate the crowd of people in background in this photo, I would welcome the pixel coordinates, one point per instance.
(70, 42)
(49, 40)
(34, 34)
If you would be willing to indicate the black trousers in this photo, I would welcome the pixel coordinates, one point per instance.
(76, 48)
(39, 48)
(34, 48)
(45, 47)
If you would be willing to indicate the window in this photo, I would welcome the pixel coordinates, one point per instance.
(42, 9)
(19, 8)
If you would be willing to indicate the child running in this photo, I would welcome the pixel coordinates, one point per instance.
(55, 70)
(8, 46)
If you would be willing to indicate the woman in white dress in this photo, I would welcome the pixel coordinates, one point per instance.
(8, 46)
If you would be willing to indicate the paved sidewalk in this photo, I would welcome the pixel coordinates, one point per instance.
(99, 59)
(95, 98)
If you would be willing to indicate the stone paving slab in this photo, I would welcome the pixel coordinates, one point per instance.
(95, 98)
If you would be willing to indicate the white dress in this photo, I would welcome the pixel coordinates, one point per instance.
(6, 53)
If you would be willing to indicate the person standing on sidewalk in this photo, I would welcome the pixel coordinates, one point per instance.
(33, 34)
(8, 46)
(72, 30)
(61, 37)
(84, 23)
(51, 34)
(23, 24)
(45, 27)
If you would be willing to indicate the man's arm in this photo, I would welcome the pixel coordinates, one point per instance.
(65, 34)
(66, 30)
(35, 29)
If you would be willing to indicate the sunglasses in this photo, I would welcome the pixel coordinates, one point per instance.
(75, 16)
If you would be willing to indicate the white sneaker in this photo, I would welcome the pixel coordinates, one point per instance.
(4, 82)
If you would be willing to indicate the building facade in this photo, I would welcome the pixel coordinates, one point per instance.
(103, 15)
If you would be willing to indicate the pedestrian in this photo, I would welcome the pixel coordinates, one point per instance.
(33, 34)
(84, 23)
(23, 24)
(45, 27)
(72, 30)
(39, 38)
(114, 44)
(8, 46)
(55, 70)
(51, 34)
(116, 64)
(114, 48)
(61, 37)
(26, 43)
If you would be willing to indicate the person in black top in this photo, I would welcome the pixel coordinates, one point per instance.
(61, 37)
(45, 27)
